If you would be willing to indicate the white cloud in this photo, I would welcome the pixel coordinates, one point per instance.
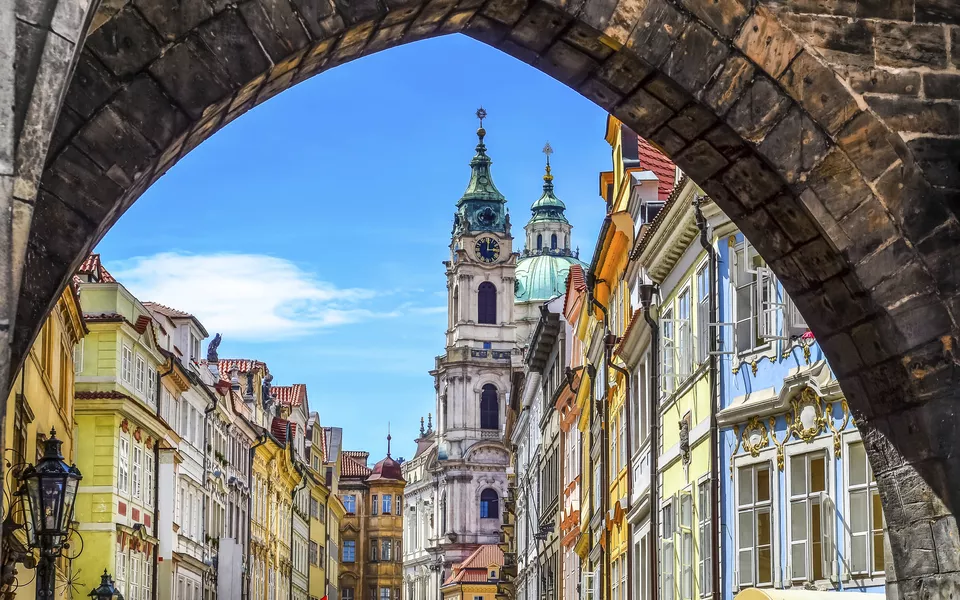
(245, 296)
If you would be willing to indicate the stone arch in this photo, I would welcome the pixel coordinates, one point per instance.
(820, 151)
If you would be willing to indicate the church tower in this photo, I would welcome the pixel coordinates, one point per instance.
(472, 378)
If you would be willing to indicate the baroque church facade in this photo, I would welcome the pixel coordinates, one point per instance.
(457, 480)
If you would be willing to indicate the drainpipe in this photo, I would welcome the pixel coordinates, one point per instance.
(714, 401)
(646, 297)
(253, 450)
(591, 282)
(610, 343)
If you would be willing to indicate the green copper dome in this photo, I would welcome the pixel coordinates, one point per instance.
(548, 207)
(543, 277)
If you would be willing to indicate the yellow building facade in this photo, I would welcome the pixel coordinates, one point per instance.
(42, 400)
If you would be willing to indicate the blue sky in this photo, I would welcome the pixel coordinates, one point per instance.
(310, 231)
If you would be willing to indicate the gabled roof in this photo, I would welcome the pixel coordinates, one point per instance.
(291, 395)
(94, 270)
(474, 569)
(351, 467)
(244, 365)
(652, 159)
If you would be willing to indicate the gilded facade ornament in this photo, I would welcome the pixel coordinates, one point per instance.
(808, 416)
(754, 437)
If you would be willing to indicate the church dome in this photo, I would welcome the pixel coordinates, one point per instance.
(543, 277)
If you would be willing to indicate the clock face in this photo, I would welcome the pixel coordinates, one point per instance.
(487, 249)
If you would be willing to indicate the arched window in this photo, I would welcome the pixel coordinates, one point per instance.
(553, 242)
(489, 407)
(487, 303)
(489, 504)
(539, 241)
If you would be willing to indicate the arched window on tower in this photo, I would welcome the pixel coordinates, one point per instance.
(553, 242)
(489, 504)
(489, 407)
(539, 241)
(487, 303)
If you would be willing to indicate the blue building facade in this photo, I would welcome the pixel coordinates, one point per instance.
(799, 506)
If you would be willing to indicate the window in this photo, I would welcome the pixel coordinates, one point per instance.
(686, 546)
(487, 303)
(387, 504)
(866, 517)
(136, 471)
(489, 407)
(553, 242)
(703, 313)
(705, 568)
(811, 519)
(374, 507)
(489, 504)
(349, 551)
(350, 503)
(385, 550)
(668, 558)
(126, 364)
(123, 464)
(754, 536)
(140, 379)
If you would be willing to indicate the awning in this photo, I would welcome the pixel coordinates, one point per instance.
(775, 594)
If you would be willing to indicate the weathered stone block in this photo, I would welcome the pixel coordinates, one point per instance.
(566, 64)
(766, 42)
(869, 144)
(667, 91)
(507, 12)
(908, 45)
(838, 184)
(913, 114)
(276, 26)
(751, 181)
(701, 160)
(623, 71)
(695, 58)
(726, 16)
(588, 40)
(643, 113)
(191, 75)
(91, 86)
(125, 43)
(938, 159)
(656, 31)
(794, 145)
(600, 93)
(819, 92)
(878, 81)
(692, 121)
(539, 27)
(760, 107)
(727, 87)
(667, 140)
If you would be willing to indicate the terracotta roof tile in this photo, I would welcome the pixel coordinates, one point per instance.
(94, 269)
(291, 395)
(350, 467)
(652, 159)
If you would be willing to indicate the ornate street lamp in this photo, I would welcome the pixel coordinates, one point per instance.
(106, 591)
(50, 488)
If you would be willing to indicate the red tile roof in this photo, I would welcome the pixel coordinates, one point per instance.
(94, 269)
(350, 467)
(244, 365)
(474, 569)
(652, 159)
(291, 395)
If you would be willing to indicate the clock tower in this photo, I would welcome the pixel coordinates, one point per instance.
(472, 378)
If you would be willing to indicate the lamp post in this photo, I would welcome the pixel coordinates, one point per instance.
(106, 591)
(50, 488)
